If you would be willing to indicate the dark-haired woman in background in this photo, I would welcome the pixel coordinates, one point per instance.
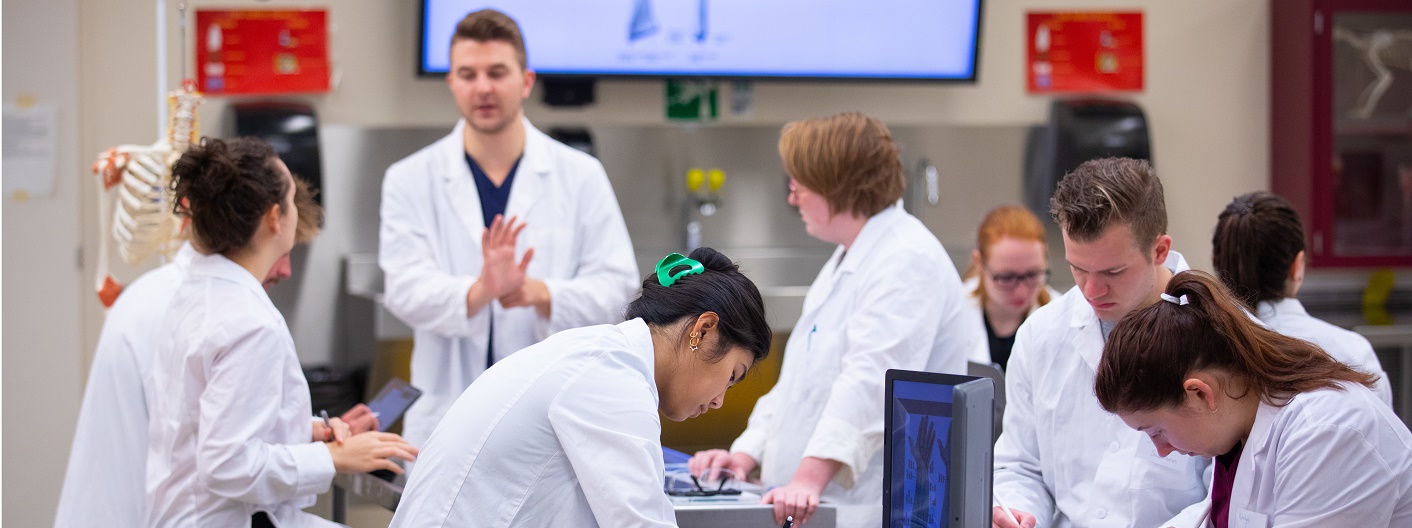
(231, 439)
(566, 432)
(1298, 437)
(1258, 252)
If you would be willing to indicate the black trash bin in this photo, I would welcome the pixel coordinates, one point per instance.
(335, 390)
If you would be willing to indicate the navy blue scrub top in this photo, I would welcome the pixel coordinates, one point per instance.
(492, 199)
(492, 202)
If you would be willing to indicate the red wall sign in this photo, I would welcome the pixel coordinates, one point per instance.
(1084, 52)
(262, 52)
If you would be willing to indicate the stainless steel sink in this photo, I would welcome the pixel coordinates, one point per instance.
(783, 276)
(363, 280)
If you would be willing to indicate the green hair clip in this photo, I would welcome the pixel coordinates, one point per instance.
(664, 268)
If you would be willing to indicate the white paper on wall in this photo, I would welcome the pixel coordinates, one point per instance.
(31, 135)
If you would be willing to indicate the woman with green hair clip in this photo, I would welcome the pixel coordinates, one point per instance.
(567, 431)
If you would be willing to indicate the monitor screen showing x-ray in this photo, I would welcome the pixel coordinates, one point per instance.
(938, 450)
(813, 39)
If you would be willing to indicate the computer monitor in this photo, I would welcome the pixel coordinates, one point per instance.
(777, 39)
(937, 450)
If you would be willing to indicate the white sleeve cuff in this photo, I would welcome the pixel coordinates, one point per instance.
(750, 442)
(315, 467)
(836, 439)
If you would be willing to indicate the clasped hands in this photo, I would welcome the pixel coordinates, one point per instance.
(501, 277)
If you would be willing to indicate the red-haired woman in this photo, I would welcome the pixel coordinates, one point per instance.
(1007, 279)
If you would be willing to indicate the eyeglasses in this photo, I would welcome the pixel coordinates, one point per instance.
(684, 484)
(793, 188)
(1010, 281)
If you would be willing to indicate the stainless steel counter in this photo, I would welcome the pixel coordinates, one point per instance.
(750, 514)
(745, 513)
(1396, 337)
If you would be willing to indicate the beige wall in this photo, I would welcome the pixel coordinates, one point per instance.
(1206, 97)
(41, 279)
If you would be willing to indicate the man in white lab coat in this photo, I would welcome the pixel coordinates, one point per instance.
(1062, 461)
(495, 236)
(105, 481)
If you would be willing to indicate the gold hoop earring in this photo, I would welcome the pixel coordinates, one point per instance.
(695, 342)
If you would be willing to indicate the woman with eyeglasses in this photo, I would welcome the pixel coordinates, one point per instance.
(888, 298)
(1258, 252)
(1007, 279)
(1297, 436)
(566, 433)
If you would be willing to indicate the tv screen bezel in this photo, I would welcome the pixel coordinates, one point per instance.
(974, 77)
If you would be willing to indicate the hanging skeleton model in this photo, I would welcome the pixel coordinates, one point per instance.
(134, 187)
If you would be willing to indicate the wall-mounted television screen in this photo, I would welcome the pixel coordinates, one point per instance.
(932, 40)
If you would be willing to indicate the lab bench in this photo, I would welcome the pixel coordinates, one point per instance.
(743, 513)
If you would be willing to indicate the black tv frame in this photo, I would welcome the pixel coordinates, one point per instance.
(423, 73)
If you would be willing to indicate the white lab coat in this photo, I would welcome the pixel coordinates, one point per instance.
(430, 253)
(1328, 458)
(563, 433)
(108, 462)
(972, 307)
(1288, 317)
(1063, 458)
(230, 425)
(893, 303)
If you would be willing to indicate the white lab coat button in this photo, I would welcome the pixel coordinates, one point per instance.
(1100, 513)
(1113, 447)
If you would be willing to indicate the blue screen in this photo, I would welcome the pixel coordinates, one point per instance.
(880, 39)
(921, 454)
(392, 401)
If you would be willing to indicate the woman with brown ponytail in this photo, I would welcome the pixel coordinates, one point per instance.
(1258, 252)
(1298, 437)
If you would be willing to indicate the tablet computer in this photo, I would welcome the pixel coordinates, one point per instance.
(392, 401)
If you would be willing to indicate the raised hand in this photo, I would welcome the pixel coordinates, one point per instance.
(499, 273)
(922, 448)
